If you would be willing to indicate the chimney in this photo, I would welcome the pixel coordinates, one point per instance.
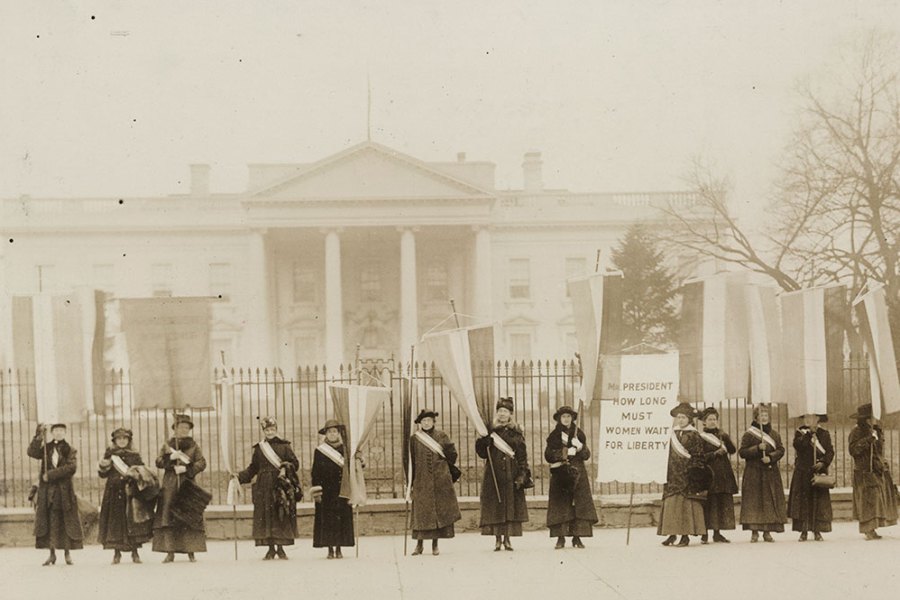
(461, 157)
(531, 171)
(199, 180)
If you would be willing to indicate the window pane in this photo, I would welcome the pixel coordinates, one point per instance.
(436, 284)
(519, 278)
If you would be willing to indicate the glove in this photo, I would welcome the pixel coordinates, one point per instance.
(40, 430)
(762, 447)
(572, 452)
(180, 469)
(819, 466)
(104, 464)
(721, 452)
(519, 482)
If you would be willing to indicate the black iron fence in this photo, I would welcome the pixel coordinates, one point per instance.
(301, 403)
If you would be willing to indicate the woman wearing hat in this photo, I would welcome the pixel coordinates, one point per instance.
(762, 493)
(182, 460)
(682, 506)
(119, 529)
(570, 508)
(434, 505)
(874, 494)
(333, 525)
(275, 492)
(808, 506)
(718, 510)
(505, 449)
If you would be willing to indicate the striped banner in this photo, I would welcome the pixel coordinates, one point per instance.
(875, 328)
(465, 359)
(356, 407)
(714, 345)
(813, 324)
(766, 356)
(597, 311)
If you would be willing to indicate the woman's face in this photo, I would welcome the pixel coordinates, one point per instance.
(503, 415)
(681, 420)
(763, 417)
(121, 441)
(270, 432)
(332, 435)
(58, 433)
(565, 419)
(182, 430)
(427, 423)
(870, 421)
(711, 422)
(810, 421)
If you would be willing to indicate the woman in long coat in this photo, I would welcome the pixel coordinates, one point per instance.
(570, 507)
(762, 493)
(182, 460)
(874, 494)
(434, 505)
(57, 523)
(810, 507)
(505, 445)
(119, 530)
(718, 510)
(275, 491)
(682, 507)
(333, 525)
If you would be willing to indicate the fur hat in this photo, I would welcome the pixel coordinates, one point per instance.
(506, 403)
(683, 408)
(709, 410)
(426, 413)
(268, 422)
(121, 432)
(329, 424)
(565, 410)
(863, 411)
(179, 419)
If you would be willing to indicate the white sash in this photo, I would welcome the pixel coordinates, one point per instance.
(270, 454)
(762, 435)
(713, 440)
(501, 445)
(431, 443)
(677, 446)
(331, 453)
(119, 464)
(818, 444)
(179, 455)
(575, 441)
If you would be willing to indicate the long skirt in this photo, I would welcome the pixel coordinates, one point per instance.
(441, 533)
(56, 537)
(718, 511)
(681, 516)
(575, 527)
(874, 500)
(178, 538)
(510, 528)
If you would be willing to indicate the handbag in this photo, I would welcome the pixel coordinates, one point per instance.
(455, 473)
(824, 480)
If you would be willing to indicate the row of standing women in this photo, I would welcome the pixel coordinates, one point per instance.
(700, 488)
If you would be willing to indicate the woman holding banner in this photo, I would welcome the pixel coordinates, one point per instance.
(809, 506)
(762, 493)
(434, 505)
(570, 507)
(276, 491)
(682, 505)
(124, 526)
(333, 525)
(874, 494)
(718, 510)
(504, 448)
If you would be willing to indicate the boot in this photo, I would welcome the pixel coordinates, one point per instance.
(279, 552)
(270, 554)
(685, 540)
(506, 544)
(818, 536)
(669, 540)
(767, 537)
(754, 537)
(191, 557)
(337, 552)
(51, 560)
(497, 541)
(434, 547)
(68, 558)
(135, 557)
(170, 557)
(560, 543)
(704, 539)
(576, 542)
(117, 557)
(803, 536)
(718, 537)
(330, 552)
(419, 549)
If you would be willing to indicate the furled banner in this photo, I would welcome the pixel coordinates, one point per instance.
(465, 359)
(406, 421)
(168, 351)
(766, 355)
(55, 338)
(713, 345)
(356, 407)
(597, 311)
(875, 328)
(813, 324)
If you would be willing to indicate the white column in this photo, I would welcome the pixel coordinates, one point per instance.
(482, 295)
(259, 322)
(409, 301)
(334, 307)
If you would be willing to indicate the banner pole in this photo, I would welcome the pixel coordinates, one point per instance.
(412, 354)
(630, 507)
(356, 527)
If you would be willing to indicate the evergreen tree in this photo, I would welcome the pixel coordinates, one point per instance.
(649, 311)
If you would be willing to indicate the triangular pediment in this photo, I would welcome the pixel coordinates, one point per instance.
(368, 171)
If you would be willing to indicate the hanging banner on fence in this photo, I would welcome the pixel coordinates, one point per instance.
(168, 351)
(635, 426)
(875, 327)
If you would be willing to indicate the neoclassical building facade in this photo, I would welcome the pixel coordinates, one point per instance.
(362, 249)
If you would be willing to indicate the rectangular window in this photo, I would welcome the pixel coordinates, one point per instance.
(520, 346)
(220, 281)
(161, 280)
(370, 283)
(436, 284)
(104, 277)
(519, 278)
(576, 266)
(303, 284)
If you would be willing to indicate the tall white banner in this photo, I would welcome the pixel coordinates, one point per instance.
(635, 425)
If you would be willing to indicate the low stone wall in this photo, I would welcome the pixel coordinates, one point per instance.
(388, 517)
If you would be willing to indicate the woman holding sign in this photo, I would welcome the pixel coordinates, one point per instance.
(570, 506)
(682, 505)
(504, 447)
(762, 493)
(276, 491)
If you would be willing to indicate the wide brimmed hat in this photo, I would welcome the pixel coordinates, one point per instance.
(506, 403)
(268, 422)
(863, 411)
(565, 410)
(823, 418)
(121, 432)
(179, 419)
(329, 424)
(55, 425)
(709, 410)
(426, 413)
(683, 409)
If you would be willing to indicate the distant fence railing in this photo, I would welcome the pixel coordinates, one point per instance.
(301, 404)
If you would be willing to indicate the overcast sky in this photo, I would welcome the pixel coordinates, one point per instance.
(103, 98)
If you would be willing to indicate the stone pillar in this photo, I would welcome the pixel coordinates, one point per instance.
(482, 296)
(259, 321)
(409, 300)
(334, 307)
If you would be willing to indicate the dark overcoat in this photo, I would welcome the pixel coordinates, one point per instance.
(118, 528)
(677, 481)
(810, 507)
(723, 479)
(274, 520)
(511, 473)
(333, 525)
(169, 534)
(762, 493)
(433, 495)
(57, 491)
(874, 493)
(565, 502)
